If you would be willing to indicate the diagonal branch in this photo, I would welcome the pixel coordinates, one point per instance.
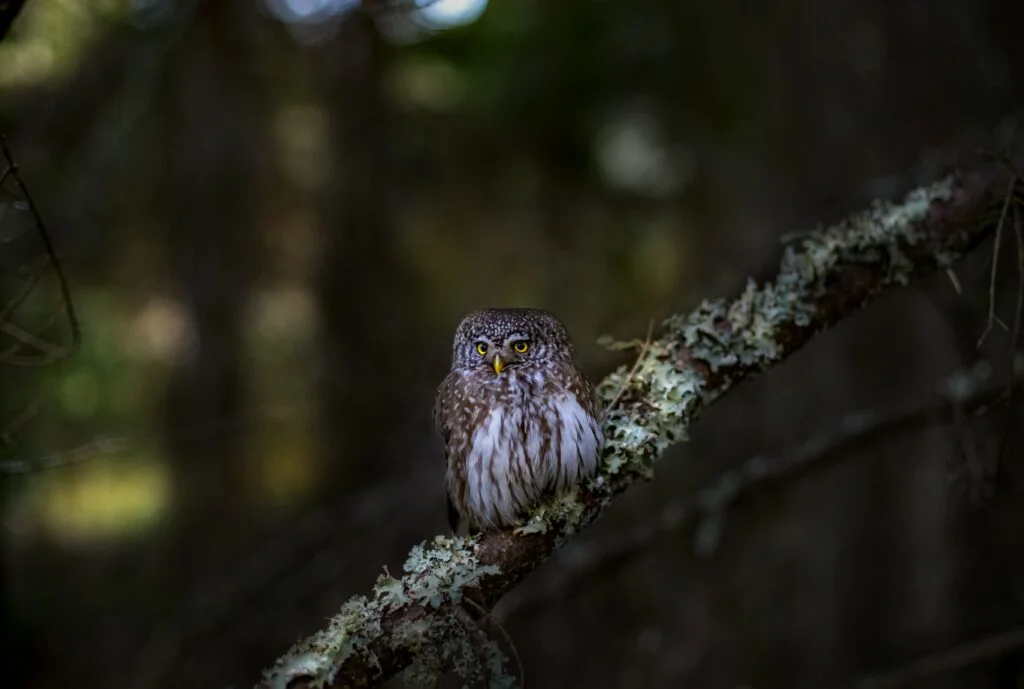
(406, 623)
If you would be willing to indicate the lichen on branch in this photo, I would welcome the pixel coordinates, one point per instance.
(416, 622)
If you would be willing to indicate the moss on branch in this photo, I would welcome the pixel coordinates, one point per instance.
(410, 623)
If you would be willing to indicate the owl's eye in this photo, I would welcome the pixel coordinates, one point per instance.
(481, 348)
(521, 346)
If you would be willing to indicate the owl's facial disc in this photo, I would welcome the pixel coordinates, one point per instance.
(511, 353)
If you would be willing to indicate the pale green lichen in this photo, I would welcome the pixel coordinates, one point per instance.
(875, 236)
(747, 332)
(563, 508)
(434, 575)
(459, 645)
(319, 657)
(636, 435)
(442, 572)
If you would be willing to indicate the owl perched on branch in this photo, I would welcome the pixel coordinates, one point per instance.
(519, 420)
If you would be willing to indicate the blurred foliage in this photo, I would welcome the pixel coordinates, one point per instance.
(53, 37)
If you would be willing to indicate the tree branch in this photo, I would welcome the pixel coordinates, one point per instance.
(408, 623)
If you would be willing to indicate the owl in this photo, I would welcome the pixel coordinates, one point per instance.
(518, 419)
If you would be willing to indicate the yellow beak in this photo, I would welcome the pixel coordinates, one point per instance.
(498, 364)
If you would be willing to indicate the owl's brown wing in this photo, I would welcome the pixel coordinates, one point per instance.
(440, 407)
(442, 427)
(580, 386)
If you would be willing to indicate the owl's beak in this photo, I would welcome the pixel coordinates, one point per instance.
(499, 364)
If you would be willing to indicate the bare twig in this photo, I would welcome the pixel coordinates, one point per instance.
(36, 274)
(955, 658)
(44, 352)
(50, 351)
(951, 274)
(1015, 341)
(1018, 315)
(14, 425)
(65, 290)
(694, 361)
(629, 377)
(995, 262)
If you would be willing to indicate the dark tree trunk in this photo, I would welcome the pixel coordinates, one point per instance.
(360, 285)
(213, 159)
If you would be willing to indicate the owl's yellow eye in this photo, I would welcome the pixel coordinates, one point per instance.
(521, 346)
(481, 348)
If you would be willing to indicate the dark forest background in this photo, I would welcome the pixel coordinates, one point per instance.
(273, 213)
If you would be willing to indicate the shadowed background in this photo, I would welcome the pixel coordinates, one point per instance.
(272, 215)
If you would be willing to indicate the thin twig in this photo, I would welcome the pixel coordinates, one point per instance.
(8, 356)
(1015, 343)
(951, 274)
(1018, 316)
(50, 351)
(632, 372)
(35, 277)
(995, 262)
(12, 427)
(65, 290)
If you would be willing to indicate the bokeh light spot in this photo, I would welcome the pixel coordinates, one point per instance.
(100, 500)
(163, 331)
(445, 14)
(80, 393)
(287, 468)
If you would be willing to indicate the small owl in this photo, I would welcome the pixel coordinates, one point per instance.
(519, 420)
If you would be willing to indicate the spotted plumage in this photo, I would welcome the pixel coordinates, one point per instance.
(518, 419)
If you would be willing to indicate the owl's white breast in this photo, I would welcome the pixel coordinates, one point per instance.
(521, 450)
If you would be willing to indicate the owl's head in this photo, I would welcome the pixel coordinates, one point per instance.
(500, 339)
